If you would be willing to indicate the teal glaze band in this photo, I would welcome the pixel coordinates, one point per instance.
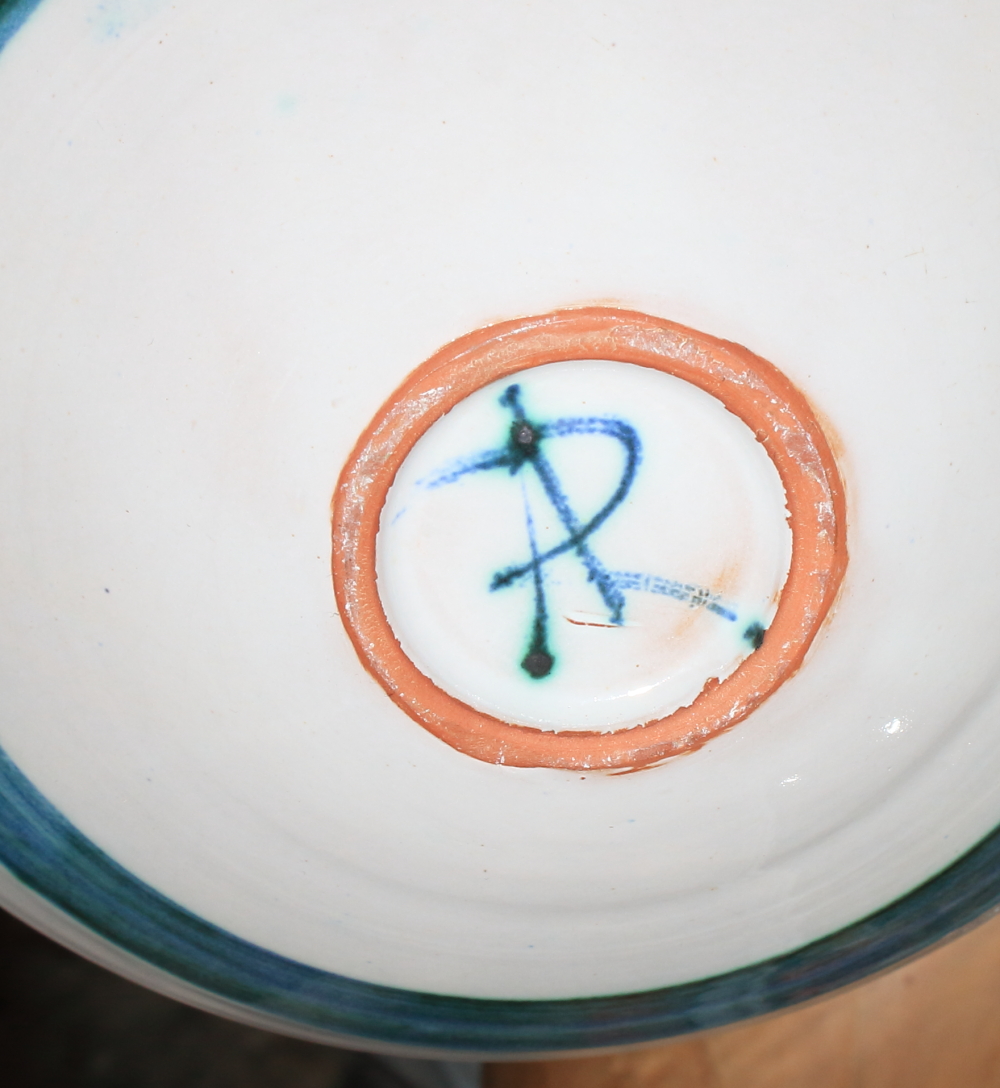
(13, 15)
(46, 853)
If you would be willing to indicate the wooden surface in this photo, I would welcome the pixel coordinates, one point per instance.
(934, 1023)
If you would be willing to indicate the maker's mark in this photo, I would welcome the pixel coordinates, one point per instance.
(523, 451)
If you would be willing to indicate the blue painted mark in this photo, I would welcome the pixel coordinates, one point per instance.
(693, 595)
(538, 661)
(524, 448)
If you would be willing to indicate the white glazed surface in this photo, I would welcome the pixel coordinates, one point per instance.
(231, 229)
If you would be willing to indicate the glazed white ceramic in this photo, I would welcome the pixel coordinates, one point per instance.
(230, 230)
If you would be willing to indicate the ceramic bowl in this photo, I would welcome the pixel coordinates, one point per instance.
(500, 524)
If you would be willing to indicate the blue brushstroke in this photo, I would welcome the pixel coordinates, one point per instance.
(530, 452)
(524, 449)
(693, 595)
(538, 661)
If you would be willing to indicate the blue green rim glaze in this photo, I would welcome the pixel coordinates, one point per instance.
(13, 14)
(43, 850)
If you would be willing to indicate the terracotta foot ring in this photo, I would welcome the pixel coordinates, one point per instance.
(750, 387)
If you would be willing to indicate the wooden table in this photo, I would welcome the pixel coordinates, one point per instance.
(933, 1023)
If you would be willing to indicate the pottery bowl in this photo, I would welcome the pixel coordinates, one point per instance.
(500, 524)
